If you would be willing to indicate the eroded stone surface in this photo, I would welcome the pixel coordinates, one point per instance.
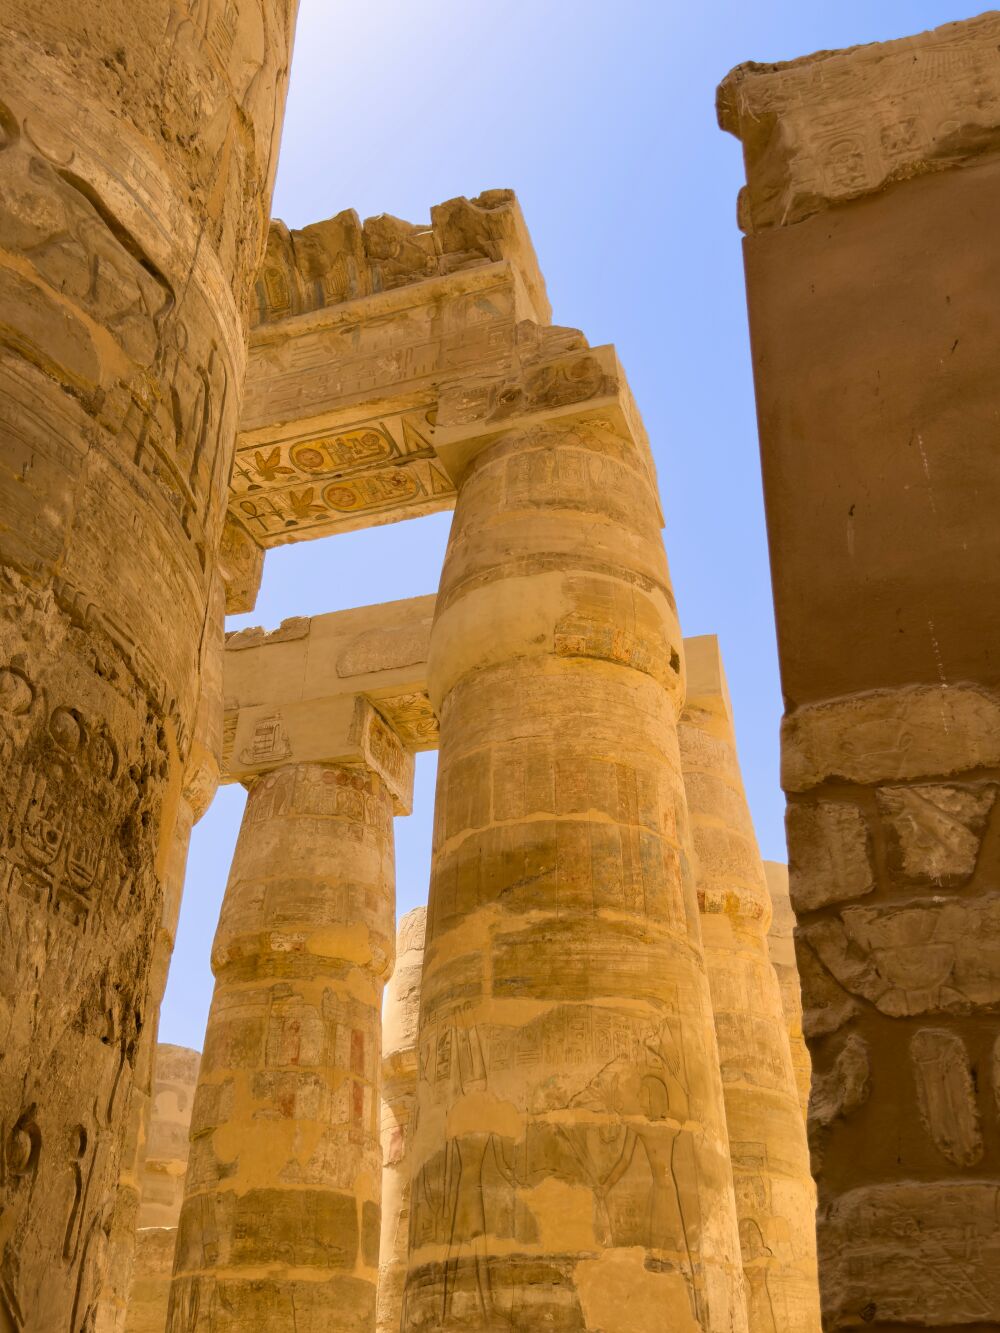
(781, 947)
(833, 854)
(570, 1167)
(400, 1014)
(841, 124)
(175, 1077)
(775, 1195)
(137, 149)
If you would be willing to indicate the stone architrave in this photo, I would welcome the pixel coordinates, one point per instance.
(358, 327)
(873, 282)
(569, 1158)
(137, 151)
(775, 1194)
(399, 1085)
(781, 945)
(281, 1217)
(161, 1180)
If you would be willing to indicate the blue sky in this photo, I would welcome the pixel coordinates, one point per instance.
(601, 116)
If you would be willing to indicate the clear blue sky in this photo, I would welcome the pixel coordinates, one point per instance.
(601, 117)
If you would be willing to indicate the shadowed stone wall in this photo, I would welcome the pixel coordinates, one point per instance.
(873, 280)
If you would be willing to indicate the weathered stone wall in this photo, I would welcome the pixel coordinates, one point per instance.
(137, 149)
(569, 1159)
(781, 945)
(400, 1013)
(775, 1195)
(175, 1076)
(873, 279)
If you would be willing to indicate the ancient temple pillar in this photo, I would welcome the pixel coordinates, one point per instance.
(873, 280)
(201, 780)
(775, 1194)
(399, 1086)
(781, 946)
(175, 1076)
(280, 1223)
(137, 150)
(570, 1167)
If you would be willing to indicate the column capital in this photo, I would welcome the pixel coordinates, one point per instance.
(839, 125)
(348, 687)
(555, 377)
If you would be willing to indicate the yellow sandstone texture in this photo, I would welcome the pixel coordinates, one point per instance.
(781, 945)
(175, 1075)
(569, 1159)
(873, 281)
(775, 1195)
(137, 149)
(281, 1216)
(399, 1084)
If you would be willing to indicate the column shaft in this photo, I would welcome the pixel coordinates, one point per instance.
(161, 1184)
(280, 1223)
(570, 1168)
(781, 946)
(137, 147)
(399, 1088)
(775, 1194)
(873, 284)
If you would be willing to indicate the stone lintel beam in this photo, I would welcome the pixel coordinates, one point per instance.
(347, 687)
(838, 125)
(360, 325)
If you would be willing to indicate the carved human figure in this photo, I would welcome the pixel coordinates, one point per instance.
(137, 149)
(557, 1181)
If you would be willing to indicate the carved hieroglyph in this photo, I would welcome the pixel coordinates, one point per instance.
(781, 946)
(175, 1075)
(873, 282)
(357, 327)
(400, 1013)
(775, 1195)
(280, 1225)
(569, 1158)
(137, 149)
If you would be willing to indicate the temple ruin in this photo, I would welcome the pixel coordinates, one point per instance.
(581, 1090)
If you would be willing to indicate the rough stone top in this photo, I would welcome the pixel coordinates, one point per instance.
(838, 125)
(706, 676)
(176, 1064)
(343, 258)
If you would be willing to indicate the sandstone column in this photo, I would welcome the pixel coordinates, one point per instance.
(280, 1224)
(137, 148)
(201, 780)
(775, 1195)
(781, 946)
(570, 1167)
(162, 1187)
(399, 1085)
(873, 278)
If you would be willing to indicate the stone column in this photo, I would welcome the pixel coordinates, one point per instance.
(873, 280)
(201, 780)
(399, 1086)
(570, 1167)
(280, 1224)
(162, 1187)
(137, 150)
(775, 1195)
(781, 946)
